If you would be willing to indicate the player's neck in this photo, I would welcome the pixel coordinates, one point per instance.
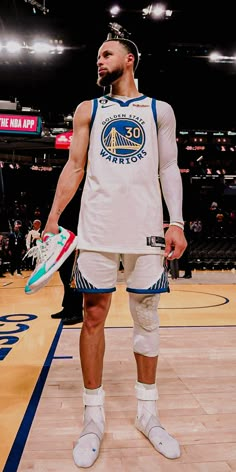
(124, 89)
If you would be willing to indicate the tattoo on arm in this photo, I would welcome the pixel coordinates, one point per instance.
(58, 212)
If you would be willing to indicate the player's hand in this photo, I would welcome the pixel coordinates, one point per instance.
(50, 228)
(175, 243)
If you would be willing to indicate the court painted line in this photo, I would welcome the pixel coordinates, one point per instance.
(225, 300)
(16, 451)
(63, 357)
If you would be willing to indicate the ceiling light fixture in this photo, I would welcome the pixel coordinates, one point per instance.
(39, 6)
(156, 11)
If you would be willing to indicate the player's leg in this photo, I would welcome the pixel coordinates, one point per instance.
(146, 279)
(96, 277)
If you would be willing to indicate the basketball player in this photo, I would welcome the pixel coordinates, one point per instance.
(130, 143)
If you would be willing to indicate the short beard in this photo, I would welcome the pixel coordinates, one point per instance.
(109, 78)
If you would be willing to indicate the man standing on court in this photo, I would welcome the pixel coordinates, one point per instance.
(129, 141)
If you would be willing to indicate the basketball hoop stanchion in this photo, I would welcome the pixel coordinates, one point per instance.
(117, 31)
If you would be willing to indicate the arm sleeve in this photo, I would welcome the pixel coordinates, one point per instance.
(169, 173)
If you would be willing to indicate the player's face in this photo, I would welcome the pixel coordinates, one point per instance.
(110, 63)
(36, 225)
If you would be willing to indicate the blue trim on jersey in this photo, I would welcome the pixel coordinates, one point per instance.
(154, 111)
(96, 290)
(162, 285)
(127, 103)
(82, 285)
(148, 290)
(95, 107)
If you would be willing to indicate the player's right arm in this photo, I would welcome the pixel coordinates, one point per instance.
(73, 171)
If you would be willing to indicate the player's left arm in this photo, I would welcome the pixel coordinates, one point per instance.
(171, 182)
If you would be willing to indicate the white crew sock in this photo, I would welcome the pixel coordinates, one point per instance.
(148, 423)
(87, 449)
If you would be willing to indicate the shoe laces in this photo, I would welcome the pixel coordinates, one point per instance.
(42, 250)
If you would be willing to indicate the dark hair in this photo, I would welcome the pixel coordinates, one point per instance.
(130, 46)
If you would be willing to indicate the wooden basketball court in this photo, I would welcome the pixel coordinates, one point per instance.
(41, 382)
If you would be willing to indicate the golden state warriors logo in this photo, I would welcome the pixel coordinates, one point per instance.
(123, 138)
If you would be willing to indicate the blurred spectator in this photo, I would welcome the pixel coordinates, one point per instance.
(3, 247)
(16, 248)
(232, 222)
(32, 236)
(195, 229)
(220, 225)
(211, 218)
(37, 214)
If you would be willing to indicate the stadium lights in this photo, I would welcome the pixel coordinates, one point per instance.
(218, 57)
(15, 47)
(156, 11)
(51, 47)
(115, 10)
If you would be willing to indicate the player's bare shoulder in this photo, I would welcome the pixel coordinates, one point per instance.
(83, 112)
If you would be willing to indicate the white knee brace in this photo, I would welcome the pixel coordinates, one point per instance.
(143, 308)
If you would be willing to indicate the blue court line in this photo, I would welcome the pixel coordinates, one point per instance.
(23, 431)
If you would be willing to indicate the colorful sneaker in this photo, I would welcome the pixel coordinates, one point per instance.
(50, 253)
(29, 289)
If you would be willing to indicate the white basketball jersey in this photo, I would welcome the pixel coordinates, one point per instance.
(121, 207)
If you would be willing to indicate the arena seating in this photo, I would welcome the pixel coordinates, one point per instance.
(213, 253)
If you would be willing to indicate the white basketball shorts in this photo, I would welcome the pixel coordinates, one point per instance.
(96, 272)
